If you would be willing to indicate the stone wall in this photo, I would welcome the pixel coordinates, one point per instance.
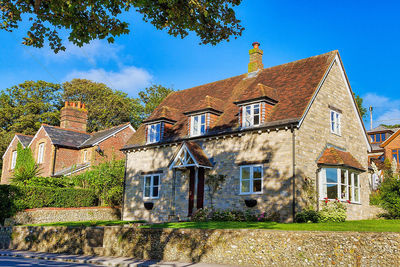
(236, 247)
(50, 215)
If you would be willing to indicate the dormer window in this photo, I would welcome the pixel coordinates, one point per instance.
(153, 133)
(251, 115)
(198, 125)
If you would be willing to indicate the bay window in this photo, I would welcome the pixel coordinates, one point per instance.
(153, 133)
(342, 184)
(251, 179)
(198, 125)
(251, 115)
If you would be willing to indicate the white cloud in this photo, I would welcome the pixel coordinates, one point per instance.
(389, 117)
(385, 109)
(129, 79)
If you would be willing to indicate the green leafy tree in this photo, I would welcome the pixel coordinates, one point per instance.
(25, 166)
(391, 126)
(212, 20)
(106, 107)
(361, 108)
(151, 97)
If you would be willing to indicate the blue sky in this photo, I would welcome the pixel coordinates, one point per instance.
(366, 33)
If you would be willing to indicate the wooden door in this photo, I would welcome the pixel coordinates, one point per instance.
(191, 189)
(200, 189)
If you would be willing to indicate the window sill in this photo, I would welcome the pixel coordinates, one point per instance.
(340, 135)
(248, 194)
(150, 198)
(342, 201)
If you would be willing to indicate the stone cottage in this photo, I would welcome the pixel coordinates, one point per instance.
(275, 134)
(68, 149)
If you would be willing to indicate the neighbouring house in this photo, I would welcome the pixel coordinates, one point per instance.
(391, 146)
(68, 149)
(378, 136)
(276, 133)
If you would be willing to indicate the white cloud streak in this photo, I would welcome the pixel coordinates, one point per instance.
(385, 109)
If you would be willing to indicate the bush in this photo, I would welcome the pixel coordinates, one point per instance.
(15, 198)
(306, 216)
(203, 215)
(25, 166)
(333, 211)
(388, 196)
(57, 182)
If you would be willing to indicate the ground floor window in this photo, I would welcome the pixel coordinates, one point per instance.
(395, 155)
(251, 179)
(151, 186)
(343, 184)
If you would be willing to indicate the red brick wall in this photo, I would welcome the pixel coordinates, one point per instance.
(394, 144)
(66, 157)
(7, 173)
(46, 166)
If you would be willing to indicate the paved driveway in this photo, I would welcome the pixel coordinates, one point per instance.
(16, 261)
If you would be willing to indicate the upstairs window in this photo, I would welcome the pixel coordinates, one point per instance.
(13, 160)
(396, 154)
(335, 122)
(198, 125)
(378, 138)
(40, 153)
(151, 186)
(251, 115)
(153, 133)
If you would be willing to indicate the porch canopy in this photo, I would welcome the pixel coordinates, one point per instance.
(190, 154)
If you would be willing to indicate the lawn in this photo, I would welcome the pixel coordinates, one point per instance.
(357, 226)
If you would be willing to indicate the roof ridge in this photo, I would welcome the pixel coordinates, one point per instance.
(116, 126)
(70, 130)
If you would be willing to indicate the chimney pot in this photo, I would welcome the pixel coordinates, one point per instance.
(66, 104)
(255, 44)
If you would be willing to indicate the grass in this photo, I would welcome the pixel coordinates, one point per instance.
(86, 223)
(355, 226)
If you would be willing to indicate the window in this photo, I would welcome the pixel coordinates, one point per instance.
(151, 186)
(339, 184)
(198, 125)
(251, 179)
(335, 122)
(395, 155)
(13, 159)
(251, 115)
(378, 138)
(40, 153)
(85, 156)
(153, 133)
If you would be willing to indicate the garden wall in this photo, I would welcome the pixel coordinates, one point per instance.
(236, 247)
(50, 215)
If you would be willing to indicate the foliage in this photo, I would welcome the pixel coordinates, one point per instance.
(151, 97)
(204, 215)
(55, 182)
(25, 166)
(106, 180)
(332, 211)
(388, 194)
(88, 223)
(16, 198)
(306, 216)
(391, 126)
(214, 184)
(106, 107)
(361, 108)
(212, 20)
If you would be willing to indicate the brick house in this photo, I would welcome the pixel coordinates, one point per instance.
(272, 132)
(68, 149)
(391, 146)
(378, 137)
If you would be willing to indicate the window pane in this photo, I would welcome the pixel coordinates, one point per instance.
(395, 157)
(332, 191)
(147, 181)
(147, 191)
(343, 177)
(156, 180)
(350, 193)
(257, 185)
(246, 186)
(378, 138)
(331, 175)
(245, 172)
(343, 192)
(356, 194)
(257, 172)
(256, 109)
(155, 191)
(203, 119)
(256, 119)
(203, 129)
(355, 180)
(383, 137)
(372, 138)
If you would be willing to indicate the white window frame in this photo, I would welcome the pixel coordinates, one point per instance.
(251, 179)
(14, 156)
(335, 122)
(153, 133)
(40, 157)
(151, 186)
(85, 154)
(251, 115)
(199, 124)
(350, 189)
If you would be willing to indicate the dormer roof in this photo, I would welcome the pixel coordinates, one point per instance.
(163, 113)
(260, 92)
(208, 103)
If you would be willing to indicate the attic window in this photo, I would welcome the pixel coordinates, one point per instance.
(251, 115)
(153, 133)
(198, 125)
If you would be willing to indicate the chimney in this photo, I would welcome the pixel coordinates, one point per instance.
(74, 116)
(256, 53)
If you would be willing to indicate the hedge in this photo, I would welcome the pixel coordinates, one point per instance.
(15, 198)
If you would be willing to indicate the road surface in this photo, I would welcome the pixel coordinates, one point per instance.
(23, 262)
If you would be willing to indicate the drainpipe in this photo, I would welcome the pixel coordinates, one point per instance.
(54, 161)
(294, 171)
(123, 190)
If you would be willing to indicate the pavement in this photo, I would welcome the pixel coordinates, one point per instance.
(78, 260)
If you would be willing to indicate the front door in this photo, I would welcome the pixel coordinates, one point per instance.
(196, 189)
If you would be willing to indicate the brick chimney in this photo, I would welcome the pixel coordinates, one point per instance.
(255, 58)
(74, 116)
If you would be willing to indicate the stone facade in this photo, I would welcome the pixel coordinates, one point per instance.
(273, 148)
(233, 247)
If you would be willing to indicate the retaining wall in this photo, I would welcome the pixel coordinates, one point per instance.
(236, 247)
(50, 215)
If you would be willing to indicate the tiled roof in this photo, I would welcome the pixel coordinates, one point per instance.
(382, 128)
(258, 92)
(376, 147)
(164, 112)
(198, 154)
(293, 85)
(208, 102)
(65, 137)
(24, 139)
(98, 136)
(335, 157)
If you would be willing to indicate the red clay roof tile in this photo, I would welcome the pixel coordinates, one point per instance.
(334, 157)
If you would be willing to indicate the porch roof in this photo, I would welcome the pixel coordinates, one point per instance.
(334, 157)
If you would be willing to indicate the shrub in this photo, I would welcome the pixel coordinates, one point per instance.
(388, 196)
(57, 182)
(333, 211)
(306, 216)
(25, 166)
(7, 205)
(203, 215)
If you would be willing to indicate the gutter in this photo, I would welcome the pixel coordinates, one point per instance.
(54, 161)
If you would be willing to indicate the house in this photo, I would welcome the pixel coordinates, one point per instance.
(68, 149)
(378, 136)
(391, 146)
(272, 132)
